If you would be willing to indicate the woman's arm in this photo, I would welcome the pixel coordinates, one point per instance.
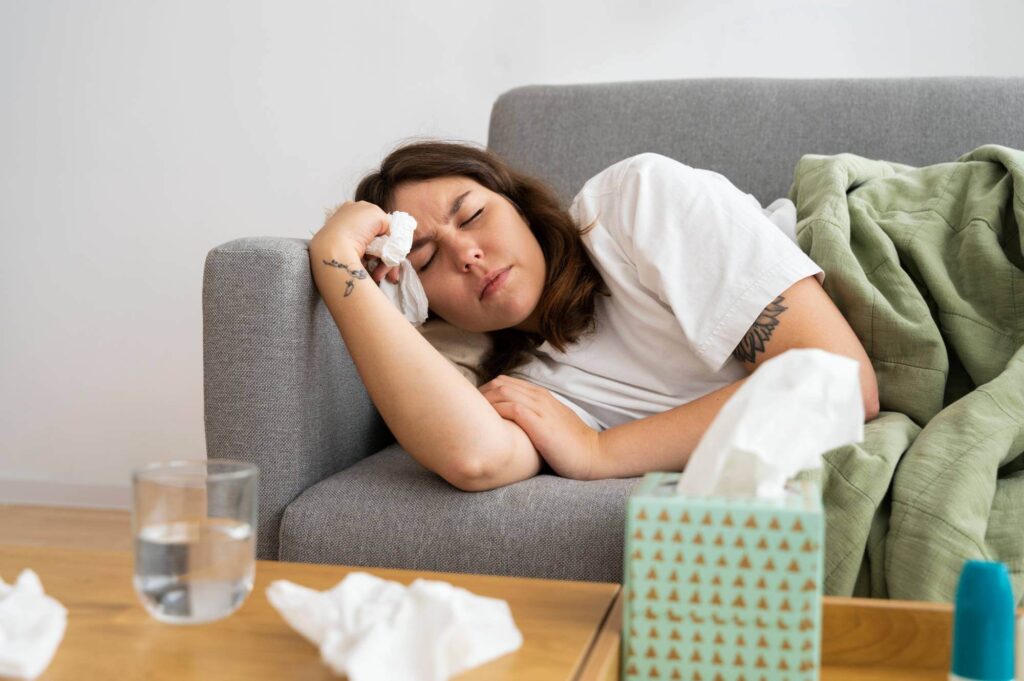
(803, 316)
(660, 442)
(438, 416)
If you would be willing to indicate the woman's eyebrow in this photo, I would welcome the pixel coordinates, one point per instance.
(456, 205)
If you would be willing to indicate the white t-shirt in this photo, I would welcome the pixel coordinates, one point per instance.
(691, 261)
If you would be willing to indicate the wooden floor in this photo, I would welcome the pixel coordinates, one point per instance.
(65, 526)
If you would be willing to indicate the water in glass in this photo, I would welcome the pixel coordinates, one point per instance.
(193, 571)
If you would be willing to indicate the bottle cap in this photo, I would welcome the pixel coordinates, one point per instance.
(983, 623)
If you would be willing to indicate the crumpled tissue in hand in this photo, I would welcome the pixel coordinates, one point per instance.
(373, 629)
(407, 295)
(31, 627)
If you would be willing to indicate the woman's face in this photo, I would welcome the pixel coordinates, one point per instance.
(484, 234)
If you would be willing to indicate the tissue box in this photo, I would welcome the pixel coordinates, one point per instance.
(722, 589)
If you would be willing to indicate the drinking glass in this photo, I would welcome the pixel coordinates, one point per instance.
(194, 526)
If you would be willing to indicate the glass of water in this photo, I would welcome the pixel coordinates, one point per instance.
(194, 526)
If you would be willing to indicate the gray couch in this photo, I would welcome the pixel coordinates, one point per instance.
(282, 392)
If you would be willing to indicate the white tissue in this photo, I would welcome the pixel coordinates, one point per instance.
(31, 626)
(394, 246)
(373, 629)
(790, 411)
(407, 295)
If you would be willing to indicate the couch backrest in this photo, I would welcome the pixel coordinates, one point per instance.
(752, 130)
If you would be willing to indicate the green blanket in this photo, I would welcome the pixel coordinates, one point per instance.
(926, 265)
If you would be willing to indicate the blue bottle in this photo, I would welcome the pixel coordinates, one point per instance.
(983, 624)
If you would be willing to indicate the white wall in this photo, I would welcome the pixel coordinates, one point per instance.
(136, 136)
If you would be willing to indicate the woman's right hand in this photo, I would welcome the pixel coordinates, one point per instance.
(349, 230)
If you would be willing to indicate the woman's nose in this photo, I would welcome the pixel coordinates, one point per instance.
(466, 251)
(471, 260)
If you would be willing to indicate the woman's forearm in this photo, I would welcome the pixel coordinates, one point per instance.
(661, 442)
(435, 413)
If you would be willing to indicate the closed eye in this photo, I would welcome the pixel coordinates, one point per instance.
(427, 263)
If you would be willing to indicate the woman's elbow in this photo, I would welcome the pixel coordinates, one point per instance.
(468, 475)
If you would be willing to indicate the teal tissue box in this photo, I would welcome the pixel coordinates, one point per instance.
(722, 589)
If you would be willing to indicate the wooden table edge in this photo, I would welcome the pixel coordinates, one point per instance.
(402, 573)
(603, 659)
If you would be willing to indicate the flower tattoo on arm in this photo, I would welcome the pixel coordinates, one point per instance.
(760, 331)
(357, 273)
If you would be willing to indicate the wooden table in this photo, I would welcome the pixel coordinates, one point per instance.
(111, 636)
(571, 630)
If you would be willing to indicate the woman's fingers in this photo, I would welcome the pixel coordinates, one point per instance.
(504, 389)
(385, 271)
(375, 266)
(378, 270)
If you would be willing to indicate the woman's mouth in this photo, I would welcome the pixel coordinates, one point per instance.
(496, 284)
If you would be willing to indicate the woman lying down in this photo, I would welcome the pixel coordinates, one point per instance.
(620, 327)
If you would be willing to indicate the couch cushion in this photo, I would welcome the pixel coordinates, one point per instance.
(752, 130)
(389, 511)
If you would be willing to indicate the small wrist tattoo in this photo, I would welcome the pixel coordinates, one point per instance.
(357, 273)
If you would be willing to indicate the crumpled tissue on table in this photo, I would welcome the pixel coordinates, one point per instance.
(31, 627)
(373, 629)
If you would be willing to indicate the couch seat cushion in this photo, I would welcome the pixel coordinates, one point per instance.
(389, 511)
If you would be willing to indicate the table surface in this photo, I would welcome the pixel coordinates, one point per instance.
(110, 634)
(571, 630)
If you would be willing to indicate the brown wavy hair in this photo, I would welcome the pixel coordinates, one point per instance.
(566, 306)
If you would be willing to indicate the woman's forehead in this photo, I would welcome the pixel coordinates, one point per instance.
(434, 199)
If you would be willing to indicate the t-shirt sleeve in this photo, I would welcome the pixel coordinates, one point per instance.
(703, 247)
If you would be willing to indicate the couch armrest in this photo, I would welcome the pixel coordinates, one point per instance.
(279, 387)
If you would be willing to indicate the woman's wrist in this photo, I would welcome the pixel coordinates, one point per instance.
(346, 262)
(336, 257)
(333, 248)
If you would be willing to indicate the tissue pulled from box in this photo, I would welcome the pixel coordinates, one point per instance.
(408, 294)
(792, 409)
(373, 629)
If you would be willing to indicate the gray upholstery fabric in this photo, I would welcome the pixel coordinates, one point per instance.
(752, 130)
(278, 387)
(389, 511)
(281, 391)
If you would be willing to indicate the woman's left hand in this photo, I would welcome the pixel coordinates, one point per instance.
(569, 445)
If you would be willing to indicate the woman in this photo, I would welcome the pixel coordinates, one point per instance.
(627, 334)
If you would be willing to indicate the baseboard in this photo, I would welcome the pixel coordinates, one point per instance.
(48, 493)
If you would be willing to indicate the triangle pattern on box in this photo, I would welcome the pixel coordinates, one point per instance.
(720, 617)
